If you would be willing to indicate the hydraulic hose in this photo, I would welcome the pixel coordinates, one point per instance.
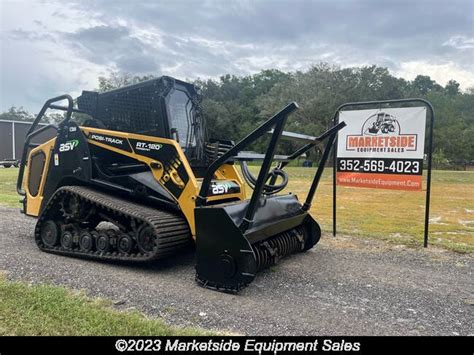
(268, 189)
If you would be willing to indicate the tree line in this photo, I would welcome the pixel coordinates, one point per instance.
(234, 105)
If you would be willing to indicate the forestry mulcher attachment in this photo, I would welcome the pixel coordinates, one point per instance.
(141, 162)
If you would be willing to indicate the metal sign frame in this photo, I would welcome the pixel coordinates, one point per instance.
(429, 106)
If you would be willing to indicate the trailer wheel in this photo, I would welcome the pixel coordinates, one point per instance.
(7, 165)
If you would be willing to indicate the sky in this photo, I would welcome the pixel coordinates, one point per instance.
(50, 47)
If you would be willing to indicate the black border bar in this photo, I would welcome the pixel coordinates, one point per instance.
(237, 345)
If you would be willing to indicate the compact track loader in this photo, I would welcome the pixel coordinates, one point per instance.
(141, 162)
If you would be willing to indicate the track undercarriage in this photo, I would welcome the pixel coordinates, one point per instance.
(69, 224)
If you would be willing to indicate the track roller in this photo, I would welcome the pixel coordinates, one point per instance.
(67, 240)
(86, 241)
(50, 233)
(124, 243)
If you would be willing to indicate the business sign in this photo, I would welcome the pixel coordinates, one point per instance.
(382, 148)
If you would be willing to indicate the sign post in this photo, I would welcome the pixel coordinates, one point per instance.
(382, 146)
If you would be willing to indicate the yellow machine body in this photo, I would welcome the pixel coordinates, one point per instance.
(161, 172)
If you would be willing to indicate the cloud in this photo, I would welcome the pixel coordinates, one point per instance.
(100, 34)
(52, 46)
(113, 46)
(460, 42)
(441, 73)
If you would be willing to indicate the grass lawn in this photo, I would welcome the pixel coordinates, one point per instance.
(8, 195)
(52, 310)
(396, 216)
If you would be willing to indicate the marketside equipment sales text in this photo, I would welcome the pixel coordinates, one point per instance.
(246, 345)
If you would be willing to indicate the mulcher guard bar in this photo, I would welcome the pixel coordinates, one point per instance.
(236, 240)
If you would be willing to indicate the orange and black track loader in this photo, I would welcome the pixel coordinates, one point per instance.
(138, 180)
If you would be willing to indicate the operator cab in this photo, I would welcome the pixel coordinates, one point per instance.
(163, 107)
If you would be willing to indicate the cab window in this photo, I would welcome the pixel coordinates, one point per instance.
(181, 118)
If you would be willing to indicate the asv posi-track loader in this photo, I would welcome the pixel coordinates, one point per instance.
(141, 161)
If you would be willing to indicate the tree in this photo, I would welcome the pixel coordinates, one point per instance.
(452, 88)
(117, 79)
(16, 114)
(230, 104)
(234, 105)
(423, 84)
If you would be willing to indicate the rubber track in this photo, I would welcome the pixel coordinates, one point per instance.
(171, 230)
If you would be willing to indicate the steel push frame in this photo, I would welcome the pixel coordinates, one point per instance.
(277, 122)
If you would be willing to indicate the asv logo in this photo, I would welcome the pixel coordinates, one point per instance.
(220, 189)
(69, 145)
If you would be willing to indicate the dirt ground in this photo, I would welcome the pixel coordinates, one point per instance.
(343, 286)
